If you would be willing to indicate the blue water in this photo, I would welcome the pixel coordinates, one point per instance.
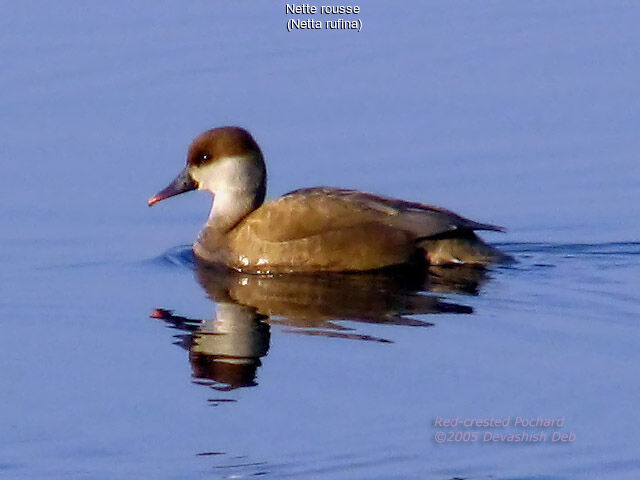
(121, 358)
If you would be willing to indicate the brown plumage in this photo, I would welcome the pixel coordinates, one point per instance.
(221, 142)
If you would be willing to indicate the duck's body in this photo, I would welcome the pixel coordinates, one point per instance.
(314, 229)
(327, 229)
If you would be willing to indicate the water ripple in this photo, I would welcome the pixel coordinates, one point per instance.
(179, 256)
(182, 255)
(567, 249)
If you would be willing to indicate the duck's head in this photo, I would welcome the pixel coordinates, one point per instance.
(220, 160)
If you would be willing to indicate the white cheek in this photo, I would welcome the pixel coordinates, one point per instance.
(222, 174)
(228, 173)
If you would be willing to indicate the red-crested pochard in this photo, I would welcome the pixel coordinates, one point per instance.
(312, 229)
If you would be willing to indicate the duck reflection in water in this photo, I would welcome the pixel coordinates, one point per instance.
(225, 351)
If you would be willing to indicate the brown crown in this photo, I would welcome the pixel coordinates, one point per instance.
(221, 142)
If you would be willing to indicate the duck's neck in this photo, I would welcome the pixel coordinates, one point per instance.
(231, 205)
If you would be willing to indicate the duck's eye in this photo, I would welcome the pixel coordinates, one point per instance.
(206, 157)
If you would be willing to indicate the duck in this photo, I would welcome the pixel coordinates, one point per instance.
(317, 229)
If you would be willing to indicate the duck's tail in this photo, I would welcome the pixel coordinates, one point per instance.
(461, 247)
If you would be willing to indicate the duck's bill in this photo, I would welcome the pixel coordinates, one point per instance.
(182, 183)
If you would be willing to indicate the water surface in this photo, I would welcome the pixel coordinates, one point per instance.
(121, 358)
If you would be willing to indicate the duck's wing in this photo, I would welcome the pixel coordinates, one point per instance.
(314, 211)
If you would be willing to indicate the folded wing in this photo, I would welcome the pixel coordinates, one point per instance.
(316, 211)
